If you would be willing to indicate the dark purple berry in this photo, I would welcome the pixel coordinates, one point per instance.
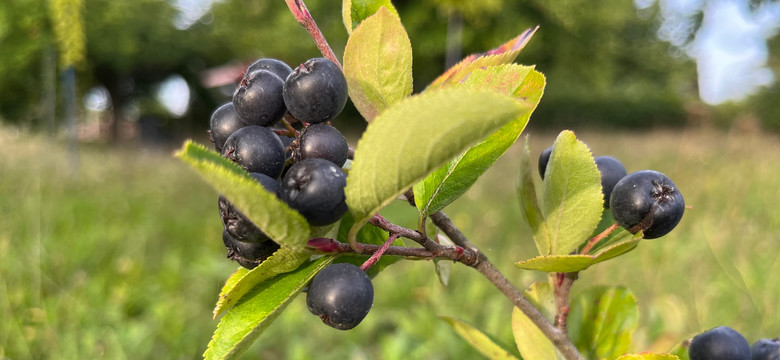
(258, 99)
(341, 295)
(239, 226)
(224, 122)
(612, 170)
(256, 149)
(316, 91)
(323, 141)
(544, 158)
(720, 343)
(647, 200)
(315, 188)
(279, 68)
(765, 349)
(248, 255)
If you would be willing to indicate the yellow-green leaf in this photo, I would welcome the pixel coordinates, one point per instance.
(277, 220)
(378, 64)
(648, 356)
(578, 262)
(243, 280)
(479, 340)
(532, 213)
(602, 321)
(416, 136)
(355, 11)
(573, 202)
(530, 341)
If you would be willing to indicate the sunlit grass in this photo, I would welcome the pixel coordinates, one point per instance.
(118, 255)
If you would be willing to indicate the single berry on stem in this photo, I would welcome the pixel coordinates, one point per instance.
(341, 295)
(315, 188)
(258, 98)
(720, 343)
(324, 142)
(224, 122)
(544, 158)
(612, 170)
(256, 149)
(278, 67)
(248, 255)
(316, 91)
(649, 201)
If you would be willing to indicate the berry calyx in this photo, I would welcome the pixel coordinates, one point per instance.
(647, 200)
(315, 188)
(316, 91)
(720, 343)
(341, 295)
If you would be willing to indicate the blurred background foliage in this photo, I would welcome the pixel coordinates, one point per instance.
(115, 251)
(604, 61)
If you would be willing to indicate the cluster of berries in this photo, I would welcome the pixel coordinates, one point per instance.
(645, 200)
(304, 170)
(725, 343)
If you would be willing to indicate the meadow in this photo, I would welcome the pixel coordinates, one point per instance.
(116, 253)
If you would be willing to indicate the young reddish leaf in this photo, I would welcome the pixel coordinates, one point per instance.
(450, 181)
(378, 64)
(504, 54)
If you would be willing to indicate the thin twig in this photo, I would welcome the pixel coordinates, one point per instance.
(330, 246)
(563, 284)
(378, 254)
(301, 13)
(559, 338)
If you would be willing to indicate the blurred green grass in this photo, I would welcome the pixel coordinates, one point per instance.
(120, 256)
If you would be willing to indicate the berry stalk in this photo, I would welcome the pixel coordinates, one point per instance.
(303, 16)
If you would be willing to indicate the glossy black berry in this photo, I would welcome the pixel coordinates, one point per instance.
(258, 98)
(279, 68)
(237, 225)
(720, 343)
(256, 149)
(765, 349)
(248, 255)
(323, 141)
(315, 188)
(647, 200)
(544, 158)
(341, 295)
(612, 170)
(316, 91)
(224, 122)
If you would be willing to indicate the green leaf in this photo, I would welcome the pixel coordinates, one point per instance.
(416, 136)
(648, 356)
(532, 213)
(258, 309)
(353, 12)
(573, 201)
(243, 280)
(277, 220)
(504, 54)
(378, 64)
(479, 340)
(572, 263)
(531, 342)
(450, 181)
(368, 234)
(602, 320)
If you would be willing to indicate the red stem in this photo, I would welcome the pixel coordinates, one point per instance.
(378, 254)
(301, 13)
